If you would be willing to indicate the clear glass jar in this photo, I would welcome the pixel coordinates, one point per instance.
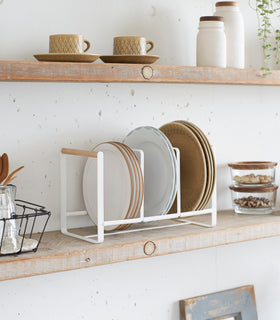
(253, 200)
(8, 227)
(252, 174)
(211, 43)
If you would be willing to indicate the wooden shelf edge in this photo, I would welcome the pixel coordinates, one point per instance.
(59, 253)
(102, 72)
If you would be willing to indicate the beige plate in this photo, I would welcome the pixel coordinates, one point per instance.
(139, 185)
(67, 57)
(193, 165)
(132, 180)
(135, 185)
(212, 158)
(210, 162)
(142, 59)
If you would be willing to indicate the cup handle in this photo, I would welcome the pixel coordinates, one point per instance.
(151, 45)
(88, 45)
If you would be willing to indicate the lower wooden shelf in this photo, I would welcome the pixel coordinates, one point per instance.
(58, 252)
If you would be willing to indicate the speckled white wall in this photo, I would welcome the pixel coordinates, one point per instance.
(242, 123)
(147, 289)
(40, 118)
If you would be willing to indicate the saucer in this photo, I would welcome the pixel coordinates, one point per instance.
(142, 59)
(67, 57)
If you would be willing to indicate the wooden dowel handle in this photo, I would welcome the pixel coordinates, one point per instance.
(82, 153)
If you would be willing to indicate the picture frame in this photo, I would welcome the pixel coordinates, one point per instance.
(233, 304)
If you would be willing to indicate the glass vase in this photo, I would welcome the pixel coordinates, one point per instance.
(8, 228)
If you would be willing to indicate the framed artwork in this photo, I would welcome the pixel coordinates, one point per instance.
(234, 304)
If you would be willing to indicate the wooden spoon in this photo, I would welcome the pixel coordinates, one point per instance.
(5, 167)
(0, 164)
(11, 176)
(8, 181)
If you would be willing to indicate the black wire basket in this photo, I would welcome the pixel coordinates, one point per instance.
(29, 217)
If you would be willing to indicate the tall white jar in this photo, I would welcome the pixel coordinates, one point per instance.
(211, 43)
(234, 30)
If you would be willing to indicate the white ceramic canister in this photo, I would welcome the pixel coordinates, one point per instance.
(211, 43)
(234, 30)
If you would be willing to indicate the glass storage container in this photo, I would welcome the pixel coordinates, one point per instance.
(234, 30)
(8, 228)
(252, 174)
(253, 200)
(211, 43)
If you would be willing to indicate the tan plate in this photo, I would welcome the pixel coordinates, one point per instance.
(134, 204)
(214, 167)
(140, 184)
(207, 158)
(132, 180)
(210, 161)
(139, 175)
(142, 59)
(67, 57)
(193, 165)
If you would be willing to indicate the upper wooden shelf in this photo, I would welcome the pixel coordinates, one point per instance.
(58, 252)
(101, 72)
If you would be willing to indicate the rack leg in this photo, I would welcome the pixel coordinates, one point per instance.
(178, 180)
(100, 197)
(214, 206)
(63, 185)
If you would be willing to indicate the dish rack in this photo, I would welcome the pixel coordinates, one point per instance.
(28, 217)
(98, 237)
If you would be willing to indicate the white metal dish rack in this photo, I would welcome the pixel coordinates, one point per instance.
(98, 237)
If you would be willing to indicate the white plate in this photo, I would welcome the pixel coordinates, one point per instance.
(159, 168)
(117, 185)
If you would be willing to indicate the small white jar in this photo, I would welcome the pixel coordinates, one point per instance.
(211, 43)
(234, 30)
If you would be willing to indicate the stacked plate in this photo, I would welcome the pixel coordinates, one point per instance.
(159, 168)
(123, 184)
(197, 169)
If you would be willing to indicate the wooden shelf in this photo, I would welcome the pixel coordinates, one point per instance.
(61, 253)
(101, 72)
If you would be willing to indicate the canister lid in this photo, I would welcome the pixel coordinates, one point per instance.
(247, 165)
(227, 4)
(211, 18)
(254, 189)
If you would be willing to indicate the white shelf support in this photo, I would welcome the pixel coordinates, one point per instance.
(64, 214)
(179, 218)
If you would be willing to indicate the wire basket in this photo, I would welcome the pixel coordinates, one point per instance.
(29, 217)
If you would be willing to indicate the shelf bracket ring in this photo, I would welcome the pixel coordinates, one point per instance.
(149, 248)
(147, 72)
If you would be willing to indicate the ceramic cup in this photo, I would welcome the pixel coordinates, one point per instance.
(131, 46)
(68, 43)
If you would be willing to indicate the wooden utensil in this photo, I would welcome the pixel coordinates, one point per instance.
(8, 181)
(5, 167)
(11, 176)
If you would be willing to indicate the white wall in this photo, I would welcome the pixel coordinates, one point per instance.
(242, 123)
(147, 289)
